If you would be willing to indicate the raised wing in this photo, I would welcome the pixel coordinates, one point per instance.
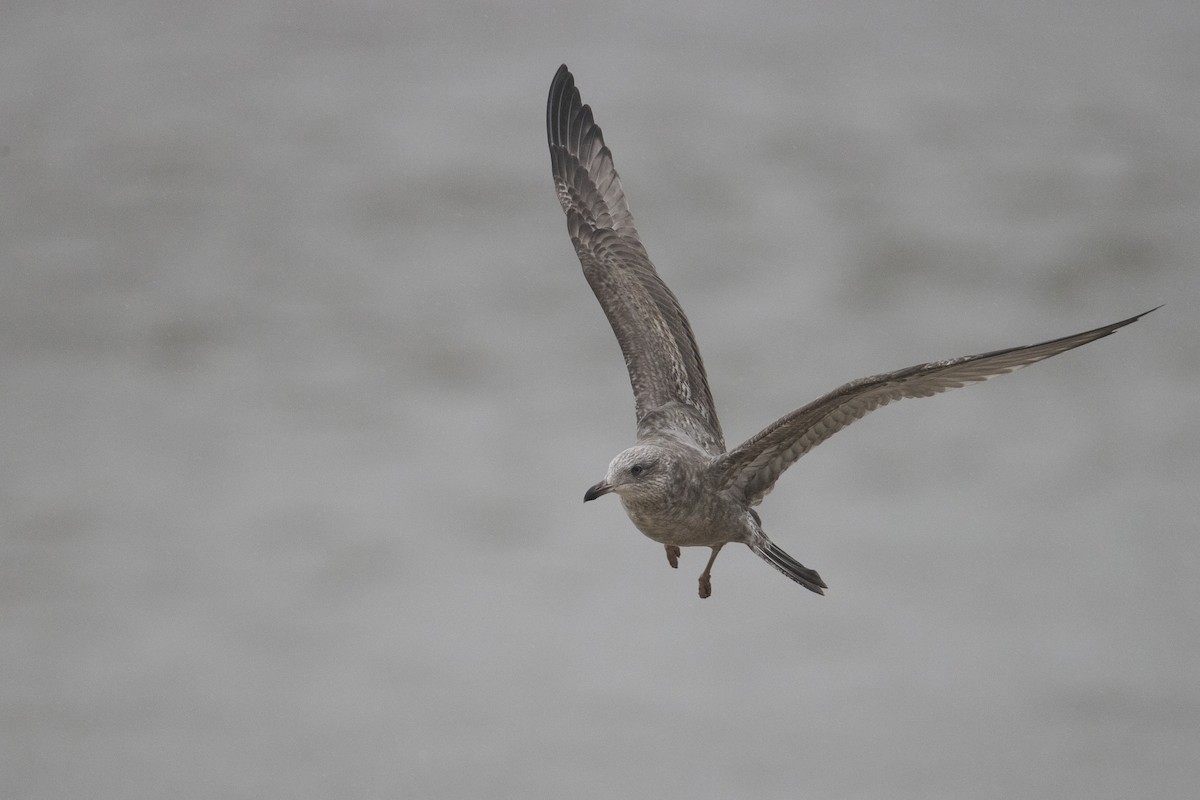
(670, 387)
(752, 468)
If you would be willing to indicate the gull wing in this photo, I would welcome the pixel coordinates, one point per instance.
(751, 469)
(670, 386)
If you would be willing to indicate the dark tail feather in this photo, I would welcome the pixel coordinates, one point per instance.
(773, 554)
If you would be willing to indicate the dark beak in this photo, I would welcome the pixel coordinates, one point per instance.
(599, 490)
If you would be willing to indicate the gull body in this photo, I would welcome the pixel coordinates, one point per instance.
(678, 483)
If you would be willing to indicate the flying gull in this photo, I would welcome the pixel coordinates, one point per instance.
(678, 484)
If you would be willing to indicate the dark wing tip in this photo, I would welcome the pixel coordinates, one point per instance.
(1101, 332)
(561, 103)
(588, 187)
(1117, 325)
(1038, 352)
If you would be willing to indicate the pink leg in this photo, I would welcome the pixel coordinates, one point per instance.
(706, 576)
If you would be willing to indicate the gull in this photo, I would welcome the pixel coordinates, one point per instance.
(678, 484)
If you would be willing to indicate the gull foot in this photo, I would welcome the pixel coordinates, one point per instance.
(673, 556)
(705, 587)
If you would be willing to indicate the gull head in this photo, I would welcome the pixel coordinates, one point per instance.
(640, 472)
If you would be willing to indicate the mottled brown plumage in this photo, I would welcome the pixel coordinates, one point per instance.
(677, 483)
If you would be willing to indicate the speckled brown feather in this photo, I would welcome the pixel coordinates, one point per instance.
(670, 386)
(677, 483)
(752, 468)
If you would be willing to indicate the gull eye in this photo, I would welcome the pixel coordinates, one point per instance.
(636, 470)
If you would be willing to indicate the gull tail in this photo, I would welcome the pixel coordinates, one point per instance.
(773, 554)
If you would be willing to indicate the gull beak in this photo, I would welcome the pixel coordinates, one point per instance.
(599, 490)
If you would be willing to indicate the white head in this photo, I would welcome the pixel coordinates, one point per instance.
(640, 471)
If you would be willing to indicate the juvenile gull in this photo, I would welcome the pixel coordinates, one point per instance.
(678, 484)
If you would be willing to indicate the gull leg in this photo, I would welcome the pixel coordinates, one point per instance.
(706, 576)
(672, 556)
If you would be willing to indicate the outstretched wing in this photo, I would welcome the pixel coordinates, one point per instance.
(752, 468)
(669, 383)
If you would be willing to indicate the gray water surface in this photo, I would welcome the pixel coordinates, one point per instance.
(302, 388)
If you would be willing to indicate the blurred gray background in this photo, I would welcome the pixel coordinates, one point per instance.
(302, 388)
